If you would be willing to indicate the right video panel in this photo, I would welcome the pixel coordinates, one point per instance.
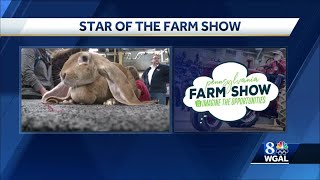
(229, 89)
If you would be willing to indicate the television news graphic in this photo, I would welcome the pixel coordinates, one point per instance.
(230, 89)
(147, 26)
(282, 152)
(276, 153)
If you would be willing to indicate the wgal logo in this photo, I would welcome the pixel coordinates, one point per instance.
(276, 153)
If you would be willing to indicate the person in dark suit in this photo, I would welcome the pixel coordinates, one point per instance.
(156, 77)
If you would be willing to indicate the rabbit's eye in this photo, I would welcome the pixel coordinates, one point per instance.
(85, 59)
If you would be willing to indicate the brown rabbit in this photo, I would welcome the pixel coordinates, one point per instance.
(88, 78)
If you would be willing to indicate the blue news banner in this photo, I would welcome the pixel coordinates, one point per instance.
(167, 156)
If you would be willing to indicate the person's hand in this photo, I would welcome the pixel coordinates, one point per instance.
(43, 90)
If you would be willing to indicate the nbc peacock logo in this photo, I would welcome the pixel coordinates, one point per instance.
(282, 148)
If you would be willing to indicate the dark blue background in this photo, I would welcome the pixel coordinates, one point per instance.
(161, 156)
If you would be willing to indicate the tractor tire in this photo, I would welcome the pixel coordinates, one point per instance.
(204, 121)
(281, 109)
(248, 120)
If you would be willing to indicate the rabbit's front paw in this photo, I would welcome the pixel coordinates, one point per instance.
(67, 101)
(110, 101)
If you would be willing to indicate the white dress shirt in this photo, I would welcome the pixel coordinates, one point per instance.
(150, 73)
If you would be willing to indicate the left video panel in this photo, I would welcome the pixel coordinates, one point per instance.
(95, 89)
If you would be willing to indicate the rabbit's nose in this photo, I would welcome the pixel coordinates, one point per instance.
(63, 76)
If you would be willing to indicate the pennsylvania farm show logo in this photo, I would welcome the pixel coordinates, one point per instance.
(230, 91)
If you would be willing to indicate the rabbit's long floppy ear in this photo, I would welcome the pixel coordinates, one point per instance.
(130, 78)
(58, 94)
(118, 82)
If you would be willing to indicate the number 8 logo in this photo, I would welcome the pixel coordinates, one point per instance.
(269, 148)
